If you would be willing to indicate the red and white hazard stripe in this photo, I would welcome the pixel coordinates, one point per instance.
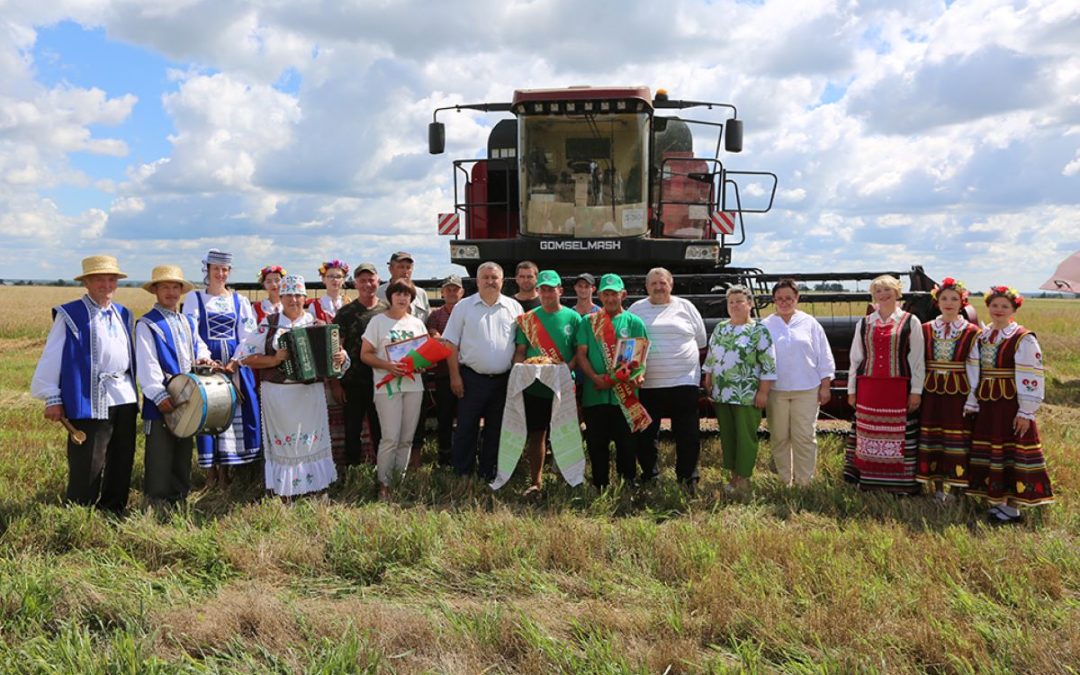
(723, 222)
(449, 223)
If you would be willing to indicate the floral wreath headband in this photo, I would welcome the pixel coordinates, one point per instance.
(950, 284)
(271, 269)
(332, 265)
(1008, 292)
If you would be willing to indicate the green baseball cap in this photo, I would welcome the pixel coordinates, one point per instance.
(611, 282)
(549, 278)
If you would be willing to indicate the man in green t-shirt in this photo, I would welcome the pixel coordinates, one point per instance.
(605, 414)
(549, 330)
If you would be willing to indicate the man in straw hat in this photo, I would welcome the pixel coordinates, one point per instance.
(167, 343)
(86, 374)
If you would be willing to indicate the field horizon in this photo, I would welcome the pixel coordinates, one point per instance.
(646, 580)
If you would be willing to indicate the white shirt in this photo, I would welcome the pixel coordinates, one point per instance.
(803, 357)
(676, 336)
(329, 305)
(113, 359)
(148, 368)
(916, 356)
(381, 331)
(421, 308)
(1029, 376)
(484, 334)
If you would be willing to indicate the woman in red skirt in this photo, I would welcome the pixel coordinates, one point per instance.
(1007, 465)
(944, 431)
(885, 381)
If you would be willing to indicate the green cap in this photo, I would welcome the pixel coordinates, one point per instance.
(549, 278)
(611, 282)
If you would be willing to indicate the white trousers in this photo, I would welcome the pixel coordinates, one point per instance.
(398, 415)
(793, 434)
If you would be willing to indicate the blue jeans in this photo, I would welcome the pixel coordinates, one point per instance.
(485, 397)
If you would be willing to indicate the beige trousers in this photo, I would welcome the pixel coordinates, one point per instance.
(793, 434)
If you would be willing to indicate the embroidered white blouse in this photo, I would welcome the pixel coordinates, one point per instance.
(1030, 378)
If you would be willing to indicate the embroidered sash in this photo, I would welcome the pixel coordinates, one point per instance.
(538, 336)
(604, 331)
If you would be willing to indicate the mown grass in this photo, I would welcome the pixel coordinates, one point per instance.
(821, 579)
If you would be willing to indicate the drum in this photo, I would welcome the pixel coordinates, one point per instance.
(205, 404)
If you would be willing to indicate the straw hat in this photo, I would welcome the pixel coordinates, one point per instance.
(100, 264)
(168, 273)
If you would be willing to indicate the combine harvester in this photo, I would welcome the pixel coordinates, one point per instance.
(594, 179)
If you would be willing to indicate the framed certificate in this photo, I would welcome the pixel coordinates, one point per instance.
(396, 351)
(631, 351)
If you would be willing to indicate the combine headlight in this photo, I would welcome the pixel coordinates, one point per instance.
(702, 252)
(464, 252)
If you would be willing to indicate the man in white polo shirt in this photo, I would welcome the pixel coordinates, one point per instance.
(676, 338)
(481, 334)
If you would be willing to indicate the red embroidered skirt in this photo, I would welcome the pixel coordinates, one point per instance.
(1003, 466)
(881, 451)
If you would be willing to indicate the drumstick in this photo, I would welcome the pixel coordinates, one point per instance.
(78, 436)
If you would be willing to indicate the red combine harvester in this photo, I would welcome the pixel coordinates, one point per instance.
(594, 179)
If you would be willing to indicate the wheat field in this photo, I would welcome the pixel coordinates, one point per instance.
(819, 579)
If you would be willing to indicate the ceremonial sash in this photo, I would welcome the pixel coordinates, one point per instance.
(538, 336)
(604, 331)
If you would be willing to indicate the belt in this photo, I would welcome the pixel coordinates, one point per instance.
(490, 377)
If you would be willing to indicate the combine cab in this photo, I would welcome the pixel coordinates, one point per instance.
(605, 179)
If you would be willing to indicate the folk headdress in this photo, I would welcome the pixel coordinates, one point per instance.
(951, 284)
(1007, 292)
(293, 285)
(334, 264)
(271, 269)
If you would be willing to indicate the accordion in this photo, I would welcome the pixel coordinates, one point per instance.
(311, 353)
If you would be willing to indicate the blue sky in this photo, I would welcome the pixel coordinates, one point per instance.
(941, 134)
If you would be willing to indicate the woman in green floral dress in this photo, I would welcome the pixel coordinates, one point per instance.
(740, 368)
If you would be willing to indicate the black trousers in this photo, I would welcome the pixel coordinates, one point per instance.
(167, 467)
(446, 405)
(604, 425)
(99, 470)
(680, 405)
(360, 404)
(484, 399)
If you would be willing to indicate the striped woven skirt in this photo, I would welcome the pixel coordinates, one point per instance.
(881, 450)
(944, 439)
(1003, 466)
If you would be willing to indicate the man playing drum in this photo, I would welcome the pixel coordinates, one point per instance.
(167, 343)
(86, 375)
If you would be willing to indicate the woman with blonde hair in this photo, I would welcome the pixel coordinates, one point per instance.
(885, 383)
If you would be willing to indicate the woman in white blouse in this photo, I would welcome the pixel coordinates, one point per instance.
(804, 373)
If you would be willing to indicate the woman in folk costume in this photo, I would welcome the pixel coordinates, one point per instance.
(224, 318)
(296, 437)
(944, 432)
(1007, 465)
(885, 385)
(333, 274)
(270, 278)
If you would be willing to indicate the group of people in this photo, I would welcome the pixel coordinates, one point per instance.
(948, 403)
(918, 391)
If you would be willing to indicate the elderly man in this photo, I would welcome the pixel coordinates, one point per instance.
(86, 374)
(525, 276)
(481, 335)
(612, 409)
(401, 267)
(358, 381)
(445, 401)
(676, 338)
(549, 330)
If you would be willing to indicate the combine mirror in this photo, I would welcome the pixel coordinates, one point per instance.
(436, 138)
(733, 135)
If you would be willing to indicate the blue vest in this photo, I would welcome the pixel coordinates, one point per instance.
(168, 354)
(81, 390)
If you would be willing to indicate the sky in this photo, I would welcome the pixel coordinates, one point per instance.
(944, 134)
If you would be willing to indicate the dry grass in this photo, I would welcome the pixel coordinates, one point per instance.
(822, 579)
